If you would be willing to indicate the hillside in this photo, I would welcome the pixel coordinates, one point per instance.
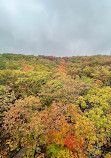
(55, 107)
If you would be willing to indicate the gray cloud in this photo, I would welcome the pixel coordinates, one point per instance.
(55, 27)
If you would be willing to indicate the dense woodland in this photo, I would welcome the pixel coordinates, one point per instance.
(55, 107)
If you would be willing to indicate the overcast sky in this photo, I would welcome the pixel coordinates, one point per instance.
(55, 27)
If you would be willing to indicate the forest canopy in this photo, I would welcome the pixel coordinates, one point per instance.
(55, 107)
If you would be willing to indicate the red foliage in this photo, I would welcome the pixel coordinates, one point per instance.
(74, 144)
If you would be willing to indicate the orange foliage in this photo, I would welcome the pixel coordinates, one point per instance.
(62, 68)
(26, 68)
